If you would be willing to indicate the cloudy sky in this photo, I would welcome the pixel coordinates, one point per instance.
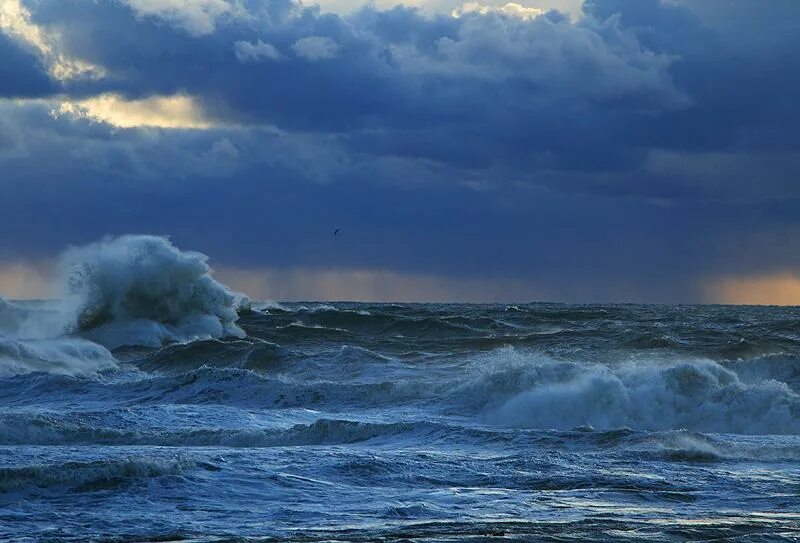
(606, 150)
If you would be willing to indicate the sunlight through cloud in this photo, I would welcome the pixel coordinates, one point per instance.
(178, 111)
(15, 20)
(511, 8)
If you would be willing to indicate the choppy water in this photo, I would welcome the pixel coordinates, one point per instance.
(384, 422)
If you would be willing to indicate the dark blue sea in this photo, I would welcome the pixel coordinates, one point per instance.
(150, 403)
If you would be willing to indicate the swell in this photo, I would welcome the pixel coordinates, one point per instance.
(141, 292)
(696, 332)
(91, 475)
(506, 388)
(344, 325)
(242, 388)
(671, 446)
(52, 430)
(182, 357)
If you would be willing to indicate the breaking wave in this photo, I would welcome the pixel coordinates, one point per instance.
(68, 356)
(142, 290)
(698, 395)
(119, 292)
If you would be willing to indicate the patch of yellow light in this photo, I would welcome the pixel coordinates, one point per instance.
(780, 289)
(511, 8)
(22, 281)
(178, 111)
(15, 20)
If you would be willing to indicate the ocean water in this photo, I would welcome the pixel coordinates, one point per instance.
(150, 403)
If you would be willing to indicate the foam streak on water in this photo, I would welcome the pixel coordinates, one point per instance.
(141, 406)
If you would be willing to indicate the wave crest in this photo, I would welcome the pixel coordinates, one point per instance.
(698, 395)
(142, 290)
(67, 356)
(91, 475)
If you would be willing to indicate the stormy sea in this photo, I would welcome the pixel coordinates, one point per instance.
(149, 402)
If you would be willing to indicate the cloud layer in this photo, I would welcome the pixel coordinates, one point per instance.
(633, 152)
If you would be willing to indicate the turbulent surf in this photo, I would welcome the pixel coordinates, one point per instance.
(149, 402)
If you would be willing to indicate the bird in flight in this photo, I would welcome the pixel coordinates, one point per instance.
(336, 232)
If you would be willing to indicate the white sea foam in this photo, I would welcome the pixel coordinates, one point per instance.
(68, 356)
(142, 290)
(531, 391)
(34, 336)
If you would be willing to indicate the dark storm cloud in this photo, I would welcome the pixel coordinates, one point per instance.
(650, 143)
(224, 192)
(21, 73)
(475, 92)
(737, 61)
(472, 91)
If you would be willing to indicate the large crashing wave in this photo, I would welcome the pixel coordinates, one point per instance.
(125, 291)
(142, 290)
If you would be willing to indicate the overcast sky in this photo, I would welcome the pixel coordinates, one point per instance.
(619, 150)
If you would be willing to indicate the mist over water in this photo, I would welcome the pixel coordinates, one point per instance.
(150, 402)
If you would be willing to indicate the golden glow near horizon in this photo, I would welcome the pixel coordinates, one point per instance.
(26, 280)
(779, 289)
(15, 20)
(178, 111)
(369, 285)
(20, 281)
